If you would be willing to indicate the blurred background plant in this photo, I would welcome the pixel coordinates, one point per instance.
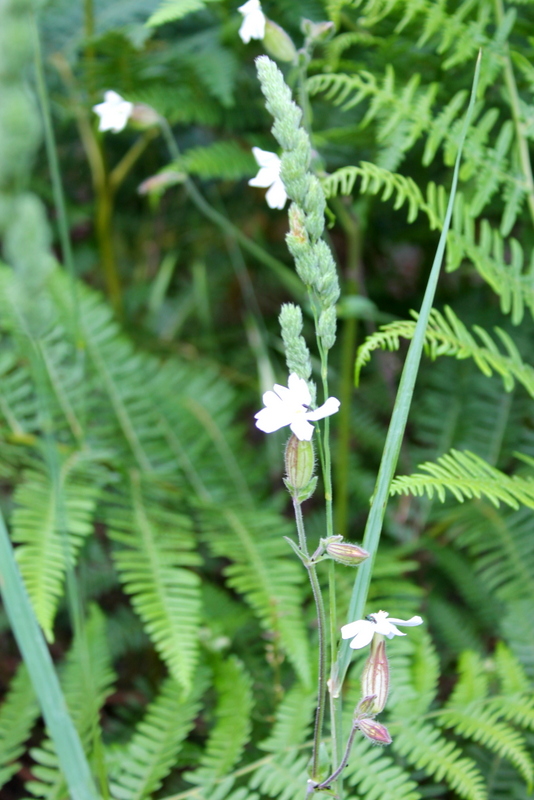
(147, 512)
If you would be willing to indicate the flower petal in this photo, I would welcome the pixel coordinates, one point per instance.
(363, 638)
(253, 25)
(264, 158)
(408, 622)
(299, 390)
(263, 179)
(302, 429)
(270, 419)
(331, 406)
(276, 197)
(353, 628)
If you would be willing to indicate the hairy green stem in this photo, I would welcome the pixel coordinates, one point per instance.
(515, 105)
(321, 633)
(331, 778)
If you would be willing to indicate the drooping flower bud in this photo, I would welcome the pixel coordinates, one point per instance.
(344, 552)
(375, 676)
(300, 466)
(374, 731)
(278, 43)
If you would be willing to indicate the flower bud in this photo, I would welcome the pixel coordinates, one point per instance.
(278, 43)
(145, 116)
(374, 731)
(300, 464)
(317, 31)
(344, 552)
(375, 676)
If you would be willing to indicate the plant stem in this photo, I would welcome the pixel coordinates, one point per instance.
(321, 632)
(513, 97)
(326, 783)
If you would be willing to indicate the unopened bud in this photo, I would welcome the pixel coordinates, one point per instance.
(278, 43)
(345, 553)
(375, 676)
(374, 731)
(300, 464)
(317, 31)
(145, 116)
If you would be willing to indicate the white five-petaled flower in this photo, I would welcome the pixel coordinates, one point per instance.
(362, 631)
(269, 176)
(253, 25)
(290, 406)
(114, 112)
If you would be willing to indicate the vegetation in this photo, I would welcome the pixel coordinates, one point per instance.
(140, 293)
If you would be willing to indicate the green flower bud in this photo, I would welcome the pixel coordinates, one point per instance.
(374, 731)
(375, 676)
(317, 31)
(278, 43)
(344, 552)
(299, 462)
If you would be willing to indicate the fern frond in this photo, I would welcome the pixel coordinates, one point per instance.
(232, 727)
(153, 560)
(87, 680)
(375, 776)
(466, 475)
(510, 672)
(261, 571)
(18, 713)
(499, 543)
(151, 753)
(293, 718)
(425, 748)
(447, 335)
(223, 160)
(484, 726)
(283, 776)
(500, 263)
(52, 518)
(171, 10)
(375, 179)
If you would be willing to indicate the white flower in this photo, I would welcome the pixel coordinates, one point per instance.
(253, 25)
(269, 175)
(363, 630)
(114, 112)
(290, 406)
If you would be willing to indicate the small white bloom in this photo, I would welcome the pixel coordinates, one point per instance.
(290, 406)
(114, 112)
(269, 175)
(253, 25)
(362, 631)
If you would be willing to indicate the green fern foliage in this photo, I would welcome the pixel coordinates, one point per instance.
(53, 516)
(18, 714)
(152, 751)
(171, 10)
(261, 571)
(466, 475)
(447, 335)
(232, 728)
(87, 680)
(426, 748)
(223, 160)
(373, 774)
(153, 558)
